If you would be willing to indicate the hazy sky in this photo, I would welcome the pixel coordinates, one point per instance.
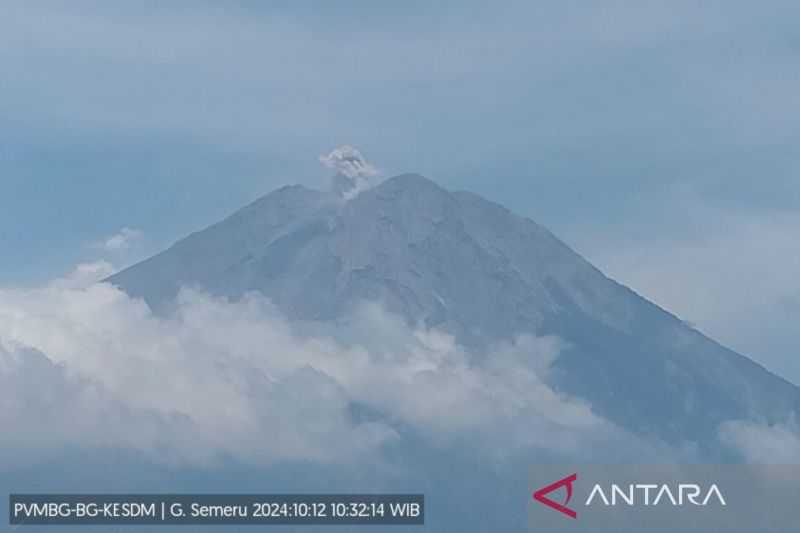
(661, 140)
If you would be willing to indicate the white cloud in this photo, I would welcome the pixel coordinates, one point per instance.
(85, 274)
(44, 410)
(763, 444)
(90, 366)
(124, 240)
(353, 170)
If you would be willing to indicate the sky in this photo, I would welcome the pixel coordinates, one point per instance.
(659, 139)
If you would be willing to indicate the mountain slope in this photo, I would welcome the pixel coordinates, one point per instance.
(455, 261)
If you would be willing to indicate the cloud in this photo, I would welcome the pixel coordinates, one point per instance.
(88, 366)
(84, 275)
(353, 171)
(45, 410)
(232, 398)
(761, 443)
(123, 240)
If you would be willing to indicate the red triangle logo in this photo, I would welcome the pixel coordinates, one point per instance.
(541, 495)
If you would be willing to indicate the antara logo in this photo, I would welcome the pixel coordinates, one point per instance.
(647, 494)
(654, 494)
(541, 495)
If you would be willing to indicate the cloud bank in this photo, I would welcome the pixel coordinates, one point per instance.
(84, 365)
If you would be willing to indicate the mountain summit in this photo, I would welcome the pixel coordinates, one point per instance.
(457, 262)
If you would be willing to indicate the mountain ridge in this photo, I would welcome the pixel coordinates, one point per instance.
(472, 268)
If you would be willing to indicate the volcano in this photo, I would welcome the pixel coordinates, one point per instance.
(462, 264)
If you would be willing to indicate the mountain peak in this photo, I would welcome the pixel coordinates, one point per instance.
(410, 179)
(466, 266)
(410, 183)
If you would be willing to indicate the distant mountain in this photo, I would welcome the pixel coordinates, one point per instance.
(458, 262)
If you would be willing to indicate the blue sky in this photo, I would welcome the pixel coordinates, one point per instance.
(661, 140)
